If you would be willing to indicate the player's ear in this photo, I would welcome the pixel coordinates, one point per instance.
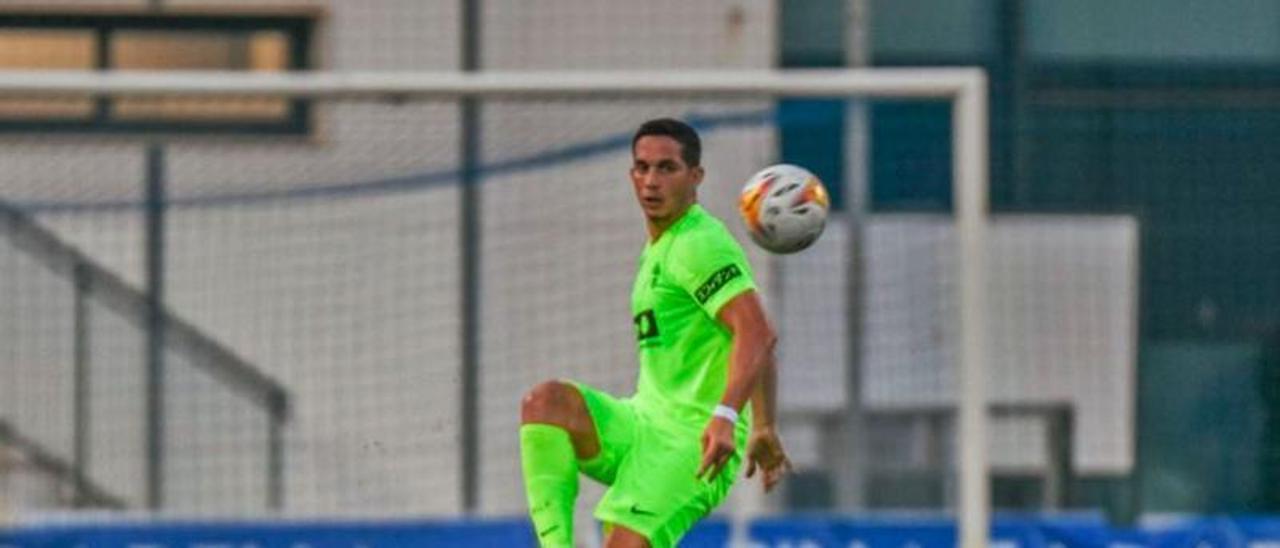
(697, 174)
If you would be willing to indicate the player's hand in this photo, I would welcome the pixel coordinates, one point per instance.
(718, 445)
(765, 453)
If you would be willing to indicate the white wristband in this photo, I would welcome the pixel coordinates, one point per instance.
(725, 412)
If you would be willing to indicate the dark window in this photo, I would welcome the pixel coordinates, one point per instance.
(271, 42)
(811, 131)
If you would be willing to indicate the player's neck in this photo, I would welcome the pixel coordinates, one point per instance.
(658, 227)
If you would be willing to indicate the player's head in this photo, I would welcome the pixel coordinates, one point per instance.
(690, 144)
(666, 157)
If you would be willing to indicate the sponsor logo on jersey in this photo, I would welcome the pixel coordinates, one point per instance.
(716, 282)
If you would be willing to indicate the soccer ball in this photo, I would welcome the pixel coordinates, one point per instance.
(784, 207)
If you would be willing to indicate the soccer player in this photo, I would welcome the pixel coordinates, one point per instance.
(669, 453)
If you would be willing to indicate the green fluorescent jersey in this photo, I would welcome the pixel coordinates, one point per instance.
(684, 278)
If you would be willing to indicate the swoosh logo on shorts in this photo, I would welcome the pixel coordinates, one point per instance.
(635, 509)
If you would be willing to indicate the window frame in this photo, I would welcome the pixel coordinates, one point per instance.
(297, 25)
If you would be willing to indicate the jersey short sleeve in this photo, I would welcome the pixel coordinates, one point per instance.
(711, 266)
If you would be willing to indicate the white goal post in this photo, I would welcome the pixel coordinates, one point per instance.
(966, 88)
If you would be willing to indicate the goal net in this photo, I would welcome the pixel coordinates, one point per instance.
(338, 314)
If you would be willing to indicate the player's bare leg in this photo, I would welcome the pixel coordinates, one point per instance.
(555, 431)
(621, 537)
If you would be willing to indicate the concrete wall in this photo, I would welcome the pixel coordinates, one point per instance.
(351, 299)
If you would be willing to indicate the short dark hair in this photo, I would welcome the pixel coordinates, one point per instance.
(690, 143)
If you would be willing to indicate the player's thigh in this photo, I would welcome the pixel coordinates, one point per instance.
(657, 492)
(614, 421)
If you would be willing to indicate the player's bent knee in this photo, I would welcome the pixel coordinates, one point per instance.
(548, 402)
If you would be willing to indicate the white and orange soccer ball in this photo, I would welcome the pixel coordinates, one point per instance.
(784, 207)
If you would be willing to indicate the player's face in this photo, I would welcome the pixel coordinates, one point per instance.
(665, 186)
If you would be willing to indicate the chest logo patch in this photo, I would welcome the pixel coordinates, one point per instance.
(646, 325)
